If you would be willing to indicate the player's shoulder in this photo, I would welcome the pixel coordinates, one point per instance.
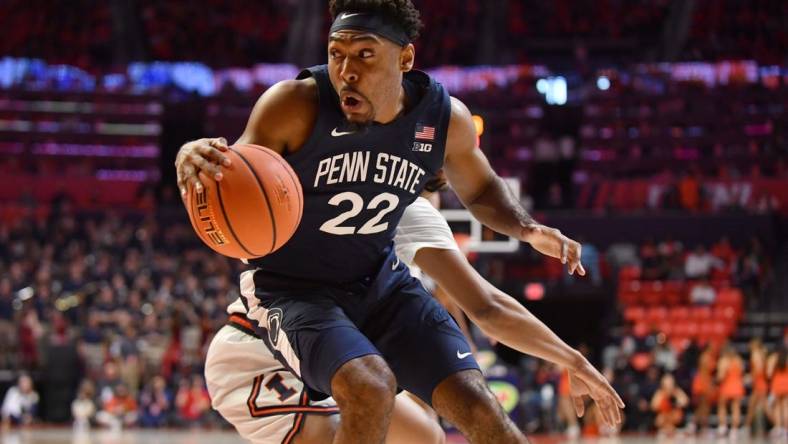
(458, 109)
(283, 116)
(294, 93)
(461, 127)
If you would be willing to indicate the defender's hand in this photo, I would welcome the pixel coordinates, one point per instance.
(200, 155)
(550, 242)
(587, 381)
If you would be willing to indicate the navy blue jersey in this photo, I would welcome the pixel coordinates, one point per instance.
(357, 184)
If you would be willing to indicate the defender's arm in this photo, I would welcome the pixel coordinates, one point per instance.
(486, 195)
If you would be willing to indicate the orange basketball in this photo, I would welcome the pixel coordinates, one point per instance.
(253, 210)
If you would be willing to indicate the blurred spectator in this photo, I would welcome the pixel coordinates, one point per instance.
(671, 251)
(83, 409)
(668, 402)
(30, 332)
(752, 272)
(7, 327)
(20, 403)
(703, 389)
(650, 260)
(192, 401)
(699, 263)
(689, 192)
(155, 403)
(566, 409)
(778, 371)
(623, 253)
(724, 251)
(703, 293)
(61, 370)
(108, 381)
(730, 373)
(756, 405)
(591, 262)
(643, 393)
(91, 346)
(665, 357)
(119, 411)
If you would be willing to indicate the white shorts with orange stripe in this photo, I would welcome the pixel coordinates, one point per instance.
(249, 388)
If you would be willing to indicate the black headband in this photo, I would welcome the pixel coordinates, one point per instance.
(370, 22)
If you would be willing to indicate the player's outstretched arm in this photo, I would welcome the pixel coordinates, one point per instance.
(503, 318)
(490, 200)
(281, 120)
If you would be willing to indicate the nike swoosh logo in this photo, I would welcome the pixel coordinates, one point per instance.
(462, 355)
(336, 133)
(394, 267)
(346, 15)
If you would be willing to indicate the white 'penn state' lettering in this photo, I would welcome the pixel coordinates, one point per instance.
(353, 167)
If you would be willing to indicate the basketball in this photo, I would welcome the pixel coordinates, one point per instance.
(253, 210)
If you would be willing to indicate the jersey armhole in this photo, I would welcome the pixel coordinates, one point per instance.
(319, 128)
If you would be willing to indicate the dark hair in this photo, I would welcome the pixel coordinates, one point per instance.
(401, 11)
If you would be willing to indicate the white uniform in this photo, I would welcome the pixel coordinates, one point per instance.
(265, 402)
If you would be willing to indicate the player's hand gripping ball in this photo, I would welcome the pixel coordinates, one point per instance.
(253, 210)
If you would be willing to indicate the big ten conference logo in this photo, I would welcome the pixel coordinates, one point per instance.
(422, 147)
(208, 221)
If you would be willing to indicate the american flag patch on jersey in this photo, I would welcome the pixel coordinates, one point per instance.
(425, 132)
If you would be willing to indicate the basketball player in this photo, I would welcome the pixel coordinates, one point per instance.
(266, 403)
(335, 305)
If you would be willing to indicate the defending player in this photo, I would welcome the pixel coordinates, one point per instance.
(335, 305)
(266, 404)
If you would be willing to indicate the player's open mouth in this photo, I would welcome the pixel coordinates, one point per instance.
(351, 103)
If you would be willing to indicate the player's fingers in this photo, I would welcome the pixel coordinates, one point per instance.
(603, 412)
(619, 417)
(580, 406)
(213, 154)
(611, 413)
(185, 172)
(611, 419)
(210, 169)
(189, 176)
(196, 184)
(619, 401)
(614, 396)
(564, 251)
(606, 414)
(181, 183)
(580, 270)
(220, 143)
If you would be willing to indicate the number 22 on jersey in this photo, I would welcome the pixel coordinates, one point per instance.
(386, 201)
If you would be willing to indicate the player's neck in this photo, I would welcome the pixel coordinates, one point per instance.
(399, 109)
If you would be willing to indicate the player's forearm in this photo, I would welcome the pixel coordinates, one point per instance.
(496, 313)
(498, 208)
(513, 325)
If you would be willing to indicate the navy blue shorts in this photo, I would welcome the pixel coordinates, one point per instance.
(315, 330)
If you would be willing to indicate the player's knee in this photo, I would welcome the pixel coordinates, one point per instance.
(365, 382)
(467, 389)
(484, 408)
